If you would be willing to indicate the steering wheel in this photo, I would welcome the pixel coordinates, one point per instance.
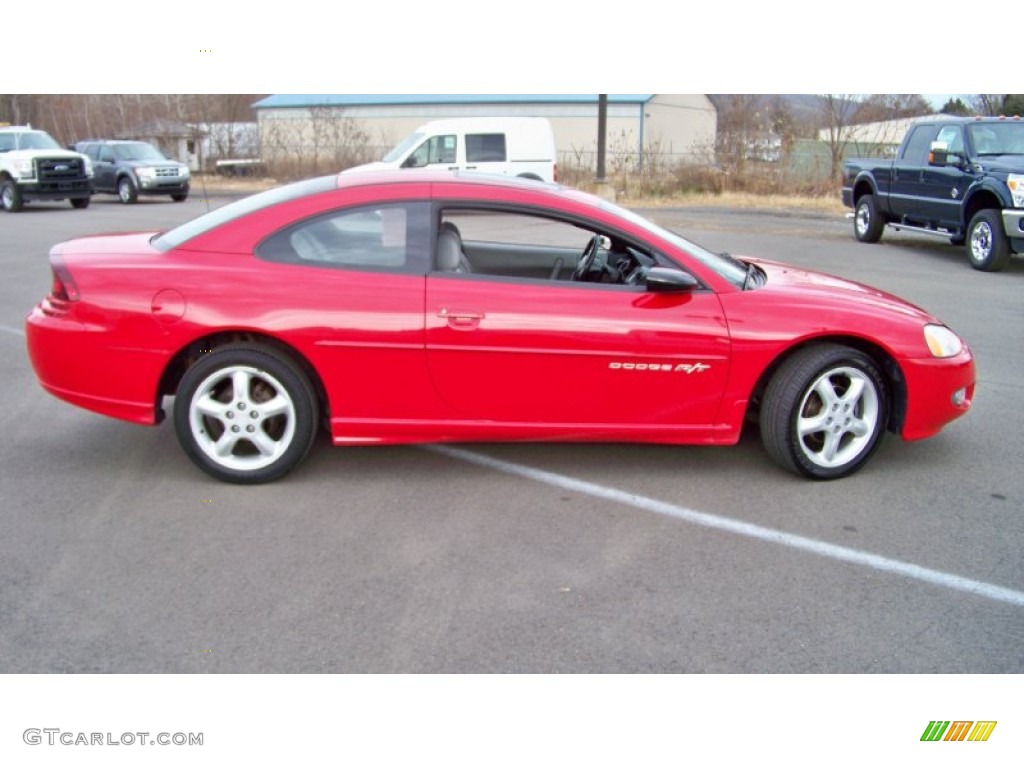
(589, 262)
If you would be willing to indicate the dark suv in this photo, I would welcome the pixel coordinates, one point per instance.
(132, 168)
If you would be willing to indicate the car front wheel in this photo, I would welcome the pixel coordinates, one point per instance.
(10, 196)
(824, 411)
(245, 414)
(126, 190)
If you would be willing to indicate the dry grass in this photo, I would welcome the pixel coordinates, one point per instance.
(739, 200)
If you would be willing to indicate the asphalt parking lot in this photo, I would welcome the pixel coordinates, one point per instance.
(118, 555)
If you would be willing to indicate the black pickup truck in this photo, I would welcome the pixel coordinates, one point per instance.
(957, 178)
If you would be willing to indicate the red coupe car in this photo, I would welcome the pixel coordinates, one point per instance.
(398, 309)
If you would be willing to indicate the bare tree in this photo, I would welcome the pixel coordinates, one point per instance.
(988, 103)
(837, 112)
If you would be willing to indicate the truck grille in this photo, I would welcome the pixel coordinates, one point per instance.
(62, 169)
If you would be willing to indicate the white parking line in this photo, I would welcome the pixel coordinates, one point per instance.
(14, 331)
(821, 548)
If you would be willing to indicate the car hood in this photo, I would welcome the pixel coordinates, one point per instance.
(374, 166)
(804, 287)
(29, 153)
(1002, 164)
(151, 163)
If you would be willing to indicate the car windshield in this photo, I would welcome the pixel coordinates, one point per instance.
(27, 140)
(990, 138)
(402, 148)
(137, 151)
(732, 269)
(173, 238)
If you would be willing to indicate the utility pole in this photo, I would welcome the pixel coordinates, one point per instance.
(604, 189)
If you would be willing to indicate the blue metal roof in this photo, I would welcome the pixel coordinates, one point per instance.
(296, 100)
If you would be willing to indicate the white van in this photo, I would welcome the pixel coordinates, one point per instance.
(509, 146)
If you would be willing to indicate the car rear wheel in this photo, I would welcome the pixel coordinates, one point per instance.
(824, 411)
(245, 414)
(126, 190)
(867, 224)
(987, 246)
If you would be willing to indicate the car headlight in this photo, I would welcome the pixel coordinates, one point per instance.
(87, 165)
(183, 172)
(145, 173)
(942, 342)
(25, 169)
(1015, 181)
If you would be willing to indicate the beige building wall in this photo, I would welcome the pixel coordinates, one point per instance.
(680, 126)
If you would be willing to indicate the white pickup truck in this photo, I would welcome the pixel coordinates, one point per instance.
(35, 167)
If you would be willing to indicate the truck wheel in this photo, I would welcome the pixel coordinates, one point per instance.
(987, 246)
(126, 190)
(867, 224)
(80, 202)
(10, 196)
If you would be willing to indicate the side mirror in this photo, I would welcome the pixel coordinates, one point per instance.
(939, 155)
(665, 280)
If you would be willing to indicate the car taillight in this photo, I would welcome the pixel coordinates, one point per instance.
(63, 288)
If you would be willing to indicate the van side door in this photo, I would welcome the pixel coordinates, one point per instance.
(487, 153)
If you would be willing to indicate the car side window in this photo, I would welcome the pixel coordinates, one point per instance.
(953, 138)
(391, 238)
(106, 155)
(485, 148)
(514, 245)
(435, 150)
(918, 144)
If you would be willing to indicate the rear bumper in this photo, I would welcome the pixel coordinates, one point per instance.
(932, 386)
(76, 363)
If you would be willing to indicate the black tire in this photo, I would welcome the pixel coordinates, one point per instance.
(80, 202)
(226, 433)
(126, 190)
(867, 223)
(10, 196)
(987, 246)
(832, 387)
(180, 198)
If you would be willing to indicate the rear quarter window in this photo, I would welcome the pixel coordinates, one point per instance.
(390, 238)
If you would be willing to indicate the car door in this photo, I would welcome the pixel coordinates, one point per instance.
(944, 185)
(105, 170)
(575, 355)
(487, 153)
(439, 152)
(907, 192)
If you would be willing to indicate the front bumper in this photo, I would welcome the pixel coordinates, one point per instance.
(55, 190)
(163, 186)
(931, 385)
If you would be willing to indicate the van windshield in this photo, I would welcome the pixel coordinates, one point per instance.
(409, 141)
